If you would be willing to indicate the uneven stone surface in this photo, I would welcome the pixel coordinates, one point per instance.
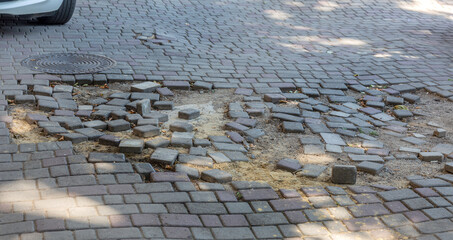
(292, 66)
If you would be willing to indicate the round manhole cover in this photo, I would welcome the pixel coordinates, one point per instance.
(68, 63)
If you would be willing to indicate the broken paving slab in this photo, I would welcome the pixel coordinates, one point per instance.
(361, 158)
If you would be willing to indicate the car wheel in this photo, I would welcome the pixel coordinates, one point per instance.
(62, 15)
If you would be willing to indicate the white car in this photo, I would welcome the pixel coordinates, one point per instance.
(46, 11)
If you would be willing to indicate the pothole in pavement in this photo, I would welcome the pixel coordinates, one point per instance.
(264, 151)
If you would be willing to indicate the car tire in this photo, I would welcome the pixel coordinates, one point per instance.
(62, 15)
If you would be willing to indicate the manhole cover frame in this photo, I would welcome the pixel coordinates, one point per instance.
(60, 63)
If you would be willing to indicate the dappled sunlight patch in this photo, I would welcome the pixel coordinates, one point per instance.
(277, 14)
(433, 7)
(326, 6)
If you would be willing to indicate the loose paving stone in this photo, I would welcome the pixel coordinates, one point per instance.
(216, 175)
(229, 147)
(164, 156)
(440, 133)
(402, 113)
(287, 117)
(96, 124)
(219, 157)
(145, 87)
(143, 122)
(182, 139)
(369, 158)
(158, 142)
(413, 140)
(75, 137)
(444, 148)
(189, 114)
(287, 164)
(370, 167)
(131, 146)
(146, 131)
(312, 170)
(435, 226)
(195, 160)
(143, 107)
(311, 140)
(431, 156)
(333, 148)
(310, 149)
(181, 127)
(163, 105)
(90, 133)
(96, 157)
(344, 174)
(332, 138)
(191, 172)
(236, 156)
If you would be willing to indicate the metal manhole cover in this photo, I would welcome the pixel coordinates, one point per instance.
(68, 63)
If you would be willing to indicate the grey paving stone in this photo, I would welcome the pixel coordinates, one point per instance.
(332, 138)
(344, 174)
(293, 127)
(131, 146)
(265, 219)
(287, 164)
(362, 158)
(417, 203)
(189, 113)
(145, 87)
(191, 172)
(233, 233)
(370, 167)
(216, 175)
(397, 195)
(229, 147)
(312, 170)
(158, 142)
(431, 156)
(164, 156)
(110, 140)
(143, 106)
(96, 157)
(436, 226)
(146, 131)
(429, 183)
(219, 157)
(310, 149)
(90, 133)
(195, 160)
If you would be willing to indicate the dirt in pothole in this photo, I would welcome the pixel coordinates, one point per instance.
(269, 149)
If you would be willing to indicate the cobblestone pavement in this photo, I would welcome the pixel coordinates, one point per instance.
(49, 192)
